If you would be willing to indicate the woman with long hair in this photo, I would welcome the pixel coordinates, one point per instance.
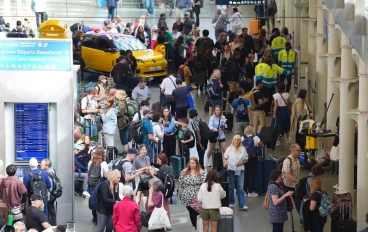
(77, 40)
(227, 52)
(301, 111)
(140, 35)
(178, 51)
(235, 44)
(209, 196)
(142, 162)
(4, 217)
(281, 114)
(164, 170)
(277, 202)
(169, 144)
(234, 158)
(219, 45)
(286, 35)
(109, 195)
(266, 55)
(110, 121)
(190, 181)
(262, 43)
(123, 121)
(217, 123)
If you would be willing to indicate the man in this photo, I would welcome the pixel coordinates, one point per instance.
(189, 26)
(147, 132)
(162, 21)
(278, 44)
(111, 6)
(139, 115)
(141, 91)
(127, 168)
(19, 227)
(201, 143)
(120, 73)
(46, 166)
(34, 173)
(243, 114)
(366, 220)
(259, 114)
(291, 170)
(89, 109)
(39, 8)
(35, 218)
(204, 43)
(167, 87)
(248, 41)
(180, 96)
(286, 58)
(12, 190)
(215, 81)
(169, 39)
(182, 6)
(100, 87)
(81, 170)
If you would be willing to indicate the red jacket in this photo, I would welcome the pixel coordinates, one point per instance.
(126, 216)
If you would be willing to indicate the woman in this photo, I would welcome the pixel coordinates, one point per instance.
(199, 74)
(163, 171)
(249, 72)
(227, 53)
(217, 123)
(209, 196)
(301, 111)
(178, 52)
(98, 161)
(281, 112)
(266, 55)
(286, 35)
(236, 22)
(88, 147)
(140, 34)
(190, 181)
(313, 221)
(250, 168)
(235, 157)
(235, 44)
(123, 121)
(262, 43)
(169, 144)
(219, 21)
(176, 33)
(109, 195)
(142, 162)
(77, 40)
(4, 213)
(155, 198)
(277, 202)
(109, 119)
(157, 133)
(219, 45)
(131, 60)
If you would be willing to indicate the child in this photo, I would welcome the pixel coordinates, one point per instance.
(184, 137)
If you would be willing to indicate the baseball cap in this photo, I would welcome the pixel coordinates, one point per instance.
(147, 112)
(36, 197)
(77, 146)
(133, 151)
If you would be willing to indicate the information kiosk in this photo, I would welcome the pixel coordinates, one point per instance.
(37, 106)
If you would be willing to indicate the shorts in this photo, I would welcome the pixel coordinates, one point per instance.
(210, 214)
(143, 187)
(217, 140)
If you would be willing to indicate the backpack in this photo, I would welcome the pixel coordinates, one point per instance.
(205, 43)
(181, 4)
(132, 107)
(180, 71)
(280, 163)
(198, 66)
(38, 185)
(241, 110)
(81, 110)
(250, 96)
(118, 164)
(137, 130)
(94, 175)
(57, 189)
(91, 85)
(248, 143)
(205, 131)
(95, 196)
(168, 185)
(301, 187)
(191, 144)
(210, 91)
(326, 207)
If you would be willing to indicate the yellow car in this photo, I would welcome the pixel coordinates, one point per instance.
(100, 52)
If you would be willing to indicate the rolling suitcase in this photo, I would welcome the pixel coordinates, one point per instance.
(177, 164)
(258, 184)
(342, 220)
(269, 135)
(199, 224)
(224, 182)
(254, 26)
(225, 200)
(268, 165)
(226, 223)
(217, 160)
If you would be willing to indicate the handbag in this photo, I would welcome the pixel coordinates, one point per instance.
(289, 204)
(334, 153)
(15, 211)
(190, 100)
(288, 104)
(214, 24)
(146, 178)
(215, 134)
(159, 218)
(266, 202)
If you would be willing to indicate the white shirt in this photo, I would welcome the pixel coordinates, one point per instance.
(136, 116)
(104, 167)
(256, 140)
(157, 131)
(234, 157)
(280, 101)
(92, 105)
(175, 36)
(211, 200)
(168, 84)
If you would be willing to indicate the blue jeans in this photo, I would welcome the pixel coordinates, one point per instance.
(46, 210)
(150, 154)
(239, 180)
(111, 12)
(104, 221)
(90, 129)
(125, 135)
(150, 4)
(277, 227)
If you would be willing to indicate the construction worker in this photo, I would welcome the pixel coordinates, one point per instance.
(278, 44)
(286, 60)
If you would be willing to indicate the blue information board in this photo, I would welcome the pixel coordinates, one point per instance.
(35, 55)
(31, 131)
(240, 2)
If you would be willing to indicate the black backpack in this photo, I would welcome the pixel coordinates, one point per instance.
(205, 131)
(168, 185)
(302, 187)
(137, 129)
(94, 175)
(118, 164)
(191, 144)
(38, 185)
(57, 189)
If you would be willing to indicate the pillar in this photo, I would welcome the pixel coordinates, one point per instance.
(333, 71)
(6, 8)
(346, 146)
(291, 16)
(362, 181)
(312, 50)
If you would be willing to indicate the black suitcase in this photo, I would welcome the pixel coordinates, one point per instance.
(177, 164)
(217, 159)
(230, 121)
(346, 226)
(269, 135)
(225, 201)
(226, 223)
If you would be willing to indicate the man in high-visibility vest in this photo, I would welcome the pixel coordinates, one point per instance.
(277, 45)
(287, 62)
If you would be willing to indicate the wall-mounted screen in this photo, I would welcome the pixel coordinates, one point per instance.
(23, 170)
(31, 131)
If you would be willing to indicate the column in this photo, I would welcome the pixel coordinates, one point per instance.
(362, 183)
(346, 146)
(312, 50)
(321, 66)
(291, 16)
(5, 12)
(333, 71)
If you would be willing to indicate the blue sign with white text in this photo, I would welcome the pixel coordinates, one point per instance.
(35, 55)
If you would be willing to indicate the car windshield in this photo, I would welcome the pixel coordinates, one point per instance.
(129, 43)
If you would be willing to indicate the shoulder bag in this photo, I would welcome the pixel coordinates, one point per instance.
(215, 134)
(159, 218)
(215, 24)
(288, 104)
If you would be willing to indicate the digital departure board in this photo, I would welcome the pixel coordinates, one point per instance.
(31, 131)
(240, 2)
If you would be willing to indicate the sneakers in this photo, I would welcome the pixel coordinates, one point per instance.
(252, 195)
(336, 186)
(209, 162)
(288, 140)
(231, 206)
(246, 194)
(244, 208)
(86, 194)
(278, 143)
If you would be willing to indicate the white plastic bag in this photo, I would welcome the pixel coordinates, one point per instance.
(226, 211)
(159, 218)
(334, 153)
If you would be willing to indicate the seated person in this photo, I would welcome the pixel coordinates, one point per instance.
(35, 218)
(80, 169)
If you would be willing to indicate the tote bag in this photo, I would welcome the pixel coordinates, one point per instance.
(159, 218)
